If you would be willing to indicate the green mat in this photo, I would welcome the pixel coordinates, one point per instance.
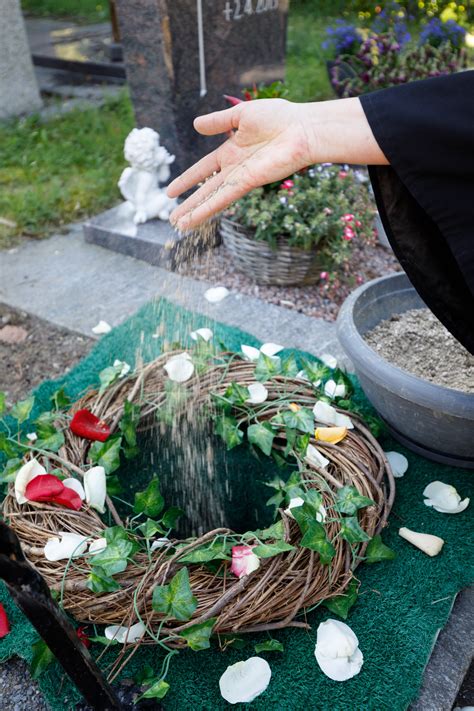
(401, 607)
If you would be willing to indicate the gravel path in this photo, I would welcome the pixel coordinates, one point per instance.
(18, 691)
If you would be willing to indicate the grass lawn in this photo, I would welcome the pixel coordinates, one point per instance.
(80, 10)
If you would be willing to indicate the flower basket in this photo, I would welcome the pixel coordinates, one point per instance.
(283, 266)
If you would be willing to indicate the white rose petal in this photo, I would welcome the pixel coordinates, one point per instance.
(271, 349)
(31, 436)
(429, 544)
(25, 474)
(444, 498)
(244, 681)
(95, 488)
(159, 543)
(179, 368)
(101, 328)
(124, 635)
(71, 545)
(250, 352)
(76, 486)
(125, 367)
(337, 650)
(328, 360)
(314, 457)
(216, 294)
(332, 389)
(205, 333)
(398, 463)
(328, 415)
(258, 393)
(97, 546)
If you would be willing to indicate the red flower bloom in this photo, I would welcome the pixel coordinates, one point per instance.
(4, 624)
(85, 424)
(287, 185)
(83, 636)
(348, 234)
(347, 217)
(358, 223)
(47, 488)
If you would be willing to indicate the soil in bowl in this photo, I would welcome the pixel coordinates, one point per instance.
(417, 342)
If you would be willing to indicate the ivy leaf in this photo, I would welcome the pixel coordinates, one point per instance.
(216, 551)
(150, 501)
(276, 530)
(236, 394)
(271, 645)
(9, 472)
(106, 454)
(150, 528)
(228, 429)
(8, 447)
(114, 487)
(267, 367)
(289, 366)
(171, 517)
(60, 400)
(128, 423)
(349, 501)
(262, 435)
(377, 551)
(3, 403)
(98, 581)
(115, 533)
(145, 675)
(351, 530)
(315, 539)
(341, 604)
(103, 640)
(49, 438)
(157, 690)
(175, 599)
(22, 410)
(42, 658)
(114, 559)
(302, 420)
(305, 516)
(198, 636)
(268, 550)
(315, 370)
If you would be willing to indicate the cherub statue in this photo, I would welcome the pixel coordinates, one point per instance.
(139, 184)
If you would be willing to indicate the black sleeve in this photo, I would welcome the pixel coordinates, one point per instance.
(426, 195)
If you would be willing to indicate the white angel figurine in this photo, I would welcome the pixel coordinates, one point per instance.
(140, 184)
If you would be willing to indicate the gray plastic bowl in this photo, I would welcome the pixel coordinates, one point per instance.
(432, 420)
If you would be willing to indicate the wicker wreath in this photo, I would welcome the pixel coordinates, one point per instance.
(269, 598)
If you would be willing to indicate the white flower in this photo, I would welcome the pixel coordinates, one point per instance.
(298, 501)
(23, 477)
(179, 368)
(71, 545)
(444, 498)
(76, 486)
(216, 294)
(95, 488)
(250, 352)
(313, 456)
(160, 543)
(332, 389)
(205, 333)
(398, 463)
(244, 681)
(101, 328)
(124, 635)
(337, 650)
(268, 349)
(97, 546)
(329, 360)
(258, 393)
(431, 545)
(328, 415)
(31, 436)
(125, 369)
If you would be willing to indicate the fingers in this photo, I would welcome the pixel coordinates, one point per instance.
(198, 197)
(218, 121)
(193, 175)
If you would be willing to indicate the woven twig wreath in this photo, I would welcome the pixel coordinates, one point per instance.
(269, 598)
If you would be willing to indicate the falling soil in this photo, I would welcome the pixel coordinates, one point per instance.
(417, 342)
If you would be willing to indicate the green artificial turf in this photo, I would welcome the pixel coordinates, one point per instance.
(402, 603)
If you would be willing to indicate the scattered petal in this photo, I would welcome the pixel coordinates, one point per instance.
(101, 328)
(97, 546)
(332, 435)
(431, 545)
(76, 486)
(205, 333)
(43, 487)
(125, 367)
(337, 650)
(332, 389)
(398, 463)
(70, 545)
(125, 635)
(329, 360)
(179, 368)
(244, 561)
(160, 543)
(4, 623)
(25, 474)
(313, 456)
(271, 349)
(244, 681)
(68, 498)
(216, 294)
(258, 393)
(250, 352)
(444, 498)
(31, 436)
(95, 488)
(85, 424)
(83, 636)
(328, 415)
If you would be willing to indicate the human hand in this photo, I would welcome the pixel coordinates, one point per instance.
(270, 140)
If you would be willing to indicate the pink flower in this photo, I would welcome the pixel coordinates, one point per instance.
(324, 276)
(343, 173)
(358, 223)
(347, 217)
(360, 280)
(348, 234)
(327, 211)
(244, 561)
(287, 185)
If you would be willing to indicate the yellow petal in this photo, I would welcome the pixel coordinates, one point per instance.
(294, 407)
(330, 434)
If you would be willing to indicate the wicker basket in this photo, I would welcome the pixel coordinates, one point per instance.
(284, 266)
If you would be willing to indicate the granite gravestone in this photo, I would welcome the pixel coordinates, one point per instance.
(18, 88)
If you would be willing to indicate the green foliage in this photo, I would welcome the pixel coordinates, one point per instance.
(349, 501)
(227, 428)
(198, 636)
(301, 419)
(267, 367)
(157, 690)
(150, 502)
(171, 516)
(2, 403)
(110, 375)
(106, 454)
(315, 539)
(128, 427)
(42, 658)
(49, 437)
(377, 551)
(9, 471)
(351, 530)
(150, 528)
(98, 581)
(341, 604)
(268, 550)
(175, 599)
(89, 10)
(114, 559)
(22, 410)
(60, 400)
(262, 435)
(271, 645)
(216, 550)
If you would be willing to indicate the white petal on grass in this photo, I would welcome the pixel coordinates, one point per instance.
(204, 333)
(179, 368)
(398, 463)
(101, 328)
(216, 294)
(271, 349)
(314, 456)
(25, 474)
(97, 546)
(337, 651)
(332, 389)
(95, 488)
(244, 681)
(125, 367)
(70, 545)
(444, 498)
(328, 415)
(329, 360)
(76, 486)
(31, 436)
(250, 352)
(123, 635)
(429, 544)
(258, 393)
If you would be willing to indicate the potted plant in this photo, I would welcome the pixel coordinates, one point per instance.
(286, 233)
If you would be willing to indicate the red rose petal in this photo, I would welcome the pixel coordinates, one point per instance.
(85, 424)
(68, 498)
(4, 624)
(83, 636)
(43, 488)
